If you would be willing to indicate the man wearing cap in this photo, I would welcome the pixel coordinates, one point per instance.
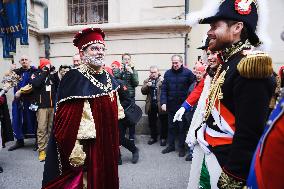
(116, 65)
(44, 84)
(238, 100)
(23, 119)
(83, 150)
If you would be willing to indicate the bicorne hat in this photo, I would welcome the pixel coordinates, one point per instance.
(253, 13)
(87, 37)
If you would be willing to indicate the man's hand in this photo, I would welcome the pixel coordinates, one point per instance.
(179, 114)
(128, 68)
(149, 84)
(164, 107)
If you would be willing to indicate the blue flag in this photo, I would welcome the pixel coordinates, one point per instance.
(13, 25)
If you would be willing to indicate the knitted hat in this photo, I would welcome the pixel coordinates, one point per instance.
(200, 67)
(116, 63)
(43, 62)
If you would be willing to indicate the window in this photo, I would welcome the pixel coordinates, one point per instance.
(87, 12)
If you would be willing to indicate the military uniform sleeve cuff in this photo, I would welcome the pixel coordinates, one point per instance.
(187, 106)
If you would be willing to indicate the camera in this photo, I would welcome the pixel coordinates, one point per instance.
(33, 107)
(153, 81)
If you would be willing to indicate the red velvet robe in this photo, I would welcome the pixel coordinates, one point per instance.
(102, 152)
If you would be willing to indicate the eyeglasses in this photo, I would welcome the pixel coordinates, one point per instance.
(24, 59)
(96, 48)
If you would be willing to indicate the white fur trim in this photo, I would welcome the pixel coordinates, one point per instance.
(261, 30)
(210, 8)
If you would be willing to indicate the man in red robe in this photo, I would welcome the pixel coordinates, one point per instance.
(83, 148)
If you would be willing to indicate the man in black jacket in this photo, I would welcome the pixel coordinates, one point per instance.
(238, 101)
(6, 131)
(125, 101)
(45, 85)
(6, 126)
(174, 91)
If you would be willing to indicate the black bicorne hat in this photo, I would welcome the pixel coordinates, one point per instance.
(238, 10)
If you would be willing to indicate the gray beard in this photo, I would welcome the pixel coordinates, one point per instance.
(96, 61)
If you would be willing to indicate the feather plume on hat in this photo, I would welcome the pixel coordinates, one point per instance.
(210, 8)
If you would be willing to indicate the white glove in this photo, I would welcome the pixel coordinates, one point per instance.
(179, 114)
(164, 107)
(18, 94)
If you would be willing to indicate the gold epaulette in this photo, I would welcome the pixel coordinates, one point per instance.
(256, 66)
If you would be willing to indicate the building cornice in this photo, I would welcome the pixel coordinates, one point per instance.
(145, 26)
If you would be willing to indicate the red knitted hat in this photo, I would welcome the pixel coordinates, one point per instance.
(87, 37)
(43, 62)
(199, 67)
(116, 63)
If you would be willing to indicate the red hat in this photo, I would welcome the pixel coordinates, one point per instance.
(199, 67)
(116, 63)
(43, 62)
(87, 37)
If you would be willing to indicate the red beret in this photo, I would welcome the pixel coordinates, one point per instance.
(43, 62)
(87, 37)
(116, 63)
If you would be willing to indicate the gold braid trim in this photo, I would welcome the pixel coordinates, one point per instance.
(215, 91)
(256, 66)
(227, 182)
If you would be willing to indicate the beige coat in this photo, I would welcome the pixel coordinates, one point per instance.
(146, 91)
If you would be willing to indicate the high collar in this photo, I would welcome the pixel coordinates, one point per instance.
(235, 48)
(178, 70)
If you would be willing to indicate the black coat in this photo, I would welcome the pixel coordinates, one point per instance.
(175, 87)
(42, 79)
(124, 95)
(248, 100)
(6, 127)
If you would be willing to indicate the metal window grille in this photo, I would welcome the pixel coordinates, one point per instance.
(87, 12)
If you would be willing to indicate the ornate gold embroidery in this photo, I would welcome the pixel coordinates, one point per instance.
(235, 48)
(227, 182)
(89, 72)
(77, 156)
(215, 91)
(87, 129)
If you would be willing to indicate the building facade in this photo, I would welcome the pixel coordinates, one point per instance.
(151, 30)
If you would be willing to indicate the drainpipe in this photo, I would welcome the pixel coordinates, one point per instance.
(186, 11)
(46, 38)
